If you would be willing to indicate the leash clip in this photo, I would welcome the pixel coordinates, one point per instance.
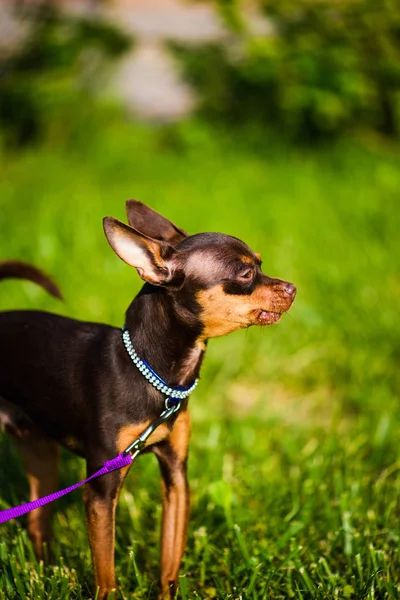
(138, 445)
(171, 405)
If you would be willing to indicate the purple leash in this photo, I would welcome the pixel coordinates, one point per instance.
(122, 460)
(172, 404)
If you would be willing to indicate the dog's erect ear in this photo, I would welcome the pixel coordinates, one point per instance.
(151, 223)
(153, 259)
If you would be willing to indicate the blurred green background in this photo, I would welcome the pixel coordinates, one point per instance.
(294, 148)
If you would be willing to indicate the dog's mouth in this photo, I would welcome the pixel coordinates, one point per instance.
(266, 317)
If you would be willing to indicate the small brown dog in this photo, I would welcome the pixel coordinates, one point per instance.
(72, 383)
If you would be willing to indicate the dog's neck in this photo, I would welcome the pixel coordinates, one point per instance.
(163, 336)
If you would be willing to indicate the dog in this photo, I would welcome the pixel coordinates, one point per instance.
(68, 382)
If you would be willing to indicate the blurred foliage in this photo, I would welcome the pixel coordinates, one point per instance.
(319, 69)
(51, 76)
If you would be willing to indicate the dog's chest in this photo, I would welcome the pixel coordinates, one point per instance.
(128, 433)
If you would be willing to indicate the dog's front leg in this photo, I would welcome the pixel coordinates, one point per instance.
(101, 497)
(172, 457)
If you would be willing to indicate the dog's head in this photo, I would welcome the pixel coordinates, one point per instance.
(215, 279)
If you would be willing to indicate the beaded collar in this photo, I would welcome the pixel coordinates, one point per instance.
(174, 394)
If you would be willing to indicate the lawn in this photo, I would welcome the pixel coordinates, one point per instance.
(294, 463)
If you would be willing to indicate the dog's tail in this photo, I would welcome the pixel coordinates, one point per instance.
(14, 269)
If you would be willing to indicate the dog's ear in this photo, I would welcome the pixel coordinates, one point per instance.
(151, 223)
(153, 259)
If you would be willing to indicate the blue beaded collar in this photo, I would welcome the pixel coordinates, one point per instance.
(174, 394)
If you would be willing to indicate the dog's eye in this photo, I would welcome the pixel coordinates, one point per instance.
(246, 274)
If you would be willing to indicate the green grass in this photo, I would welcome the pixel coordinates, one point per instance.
(294, 462)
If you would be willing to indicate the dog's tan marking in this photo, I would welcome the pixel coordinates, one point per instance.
(247, 260)
(223, 313)
(258, 257)
(129, 433)
(180, 434)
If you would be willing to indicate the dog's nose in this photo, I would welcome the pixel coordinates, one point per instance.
(290, 289)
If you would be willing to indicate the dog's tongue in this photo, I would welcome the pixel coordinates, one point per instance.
(268, 318)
